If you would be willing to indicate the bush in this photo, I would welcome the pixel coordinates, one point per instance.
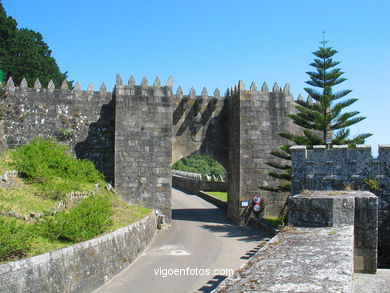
(47, 162)
(15, 239)
(88, 219)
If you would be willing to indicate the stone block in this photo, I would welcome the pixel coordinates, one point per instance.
(342, 208)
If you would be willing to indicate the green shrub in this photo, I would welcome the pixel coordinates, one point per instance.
(57, 189)
(15, 239)
(373, 184)
(88, 219)
(48, 163)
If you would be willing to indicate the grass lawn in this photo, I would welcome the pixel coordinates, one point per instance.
(219, 194)
(6, 162)
(24, 201)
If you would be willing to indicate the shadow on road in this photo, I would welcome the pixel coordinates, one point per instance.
(218, 223)
(243, 233)
(200, 215)
(212, 284)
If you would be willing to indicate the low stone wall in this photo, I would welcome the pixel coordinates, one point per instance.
(214, 200)
(193, 185)
(298, 260)
(213, 186)
(336, 236)
(82, 267)
(186, 184)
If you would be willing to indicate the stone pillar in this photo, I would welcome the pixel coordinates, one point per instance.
(366, 234)
(143, 144)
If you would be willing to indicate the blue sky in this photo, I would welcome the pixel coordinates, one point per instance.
(215, 43)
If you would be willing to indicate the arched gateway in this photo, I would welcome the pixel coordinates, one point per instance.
(154, 128)
(134, 134)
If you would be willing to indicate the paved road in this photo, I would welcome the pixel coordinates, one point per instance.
(200, 242)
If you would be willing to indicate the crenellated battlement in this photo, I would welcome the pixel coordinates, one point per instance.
(340, 167)
(264, 91)
(51, 87)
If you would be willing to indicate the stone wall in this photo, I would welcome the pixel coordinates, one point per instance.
(343, 168)
(82, 267)
(195, 186)
(189, 185)
(82, 119)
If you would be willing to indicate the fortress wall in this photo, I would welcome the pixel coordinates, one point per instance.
(84, 120)
(135, 133)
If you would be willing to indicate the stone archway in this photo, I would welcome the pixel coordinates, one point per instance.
(154, 127)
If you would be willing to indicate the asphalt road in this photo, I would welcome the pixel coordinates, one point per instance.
(194, 255)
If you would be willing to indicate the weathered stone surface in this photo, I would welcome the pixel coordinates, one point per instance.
(343, 168)
(255, 120)
(87, 116)
(194, 185)
(342, 208)
(299, 260)
(369, 283)
(143, 146)
(82, 267)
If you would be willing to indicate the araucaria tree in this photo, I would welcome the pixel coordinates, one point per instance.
(322, 116)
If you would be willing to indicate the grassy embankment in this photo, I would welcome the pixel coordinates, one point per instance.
(49, 172)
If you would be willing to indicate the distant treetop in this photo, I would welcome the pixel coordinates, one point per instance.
(23, 53)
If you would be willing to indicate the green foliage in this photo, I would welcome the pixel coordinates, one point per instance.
(325, 119)
(64, 134)
(200, 164)
(15, 239)
(47, 162)
(23, 53)
(276, 222)
(85, 221)
(373, 184)
(48, 167)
